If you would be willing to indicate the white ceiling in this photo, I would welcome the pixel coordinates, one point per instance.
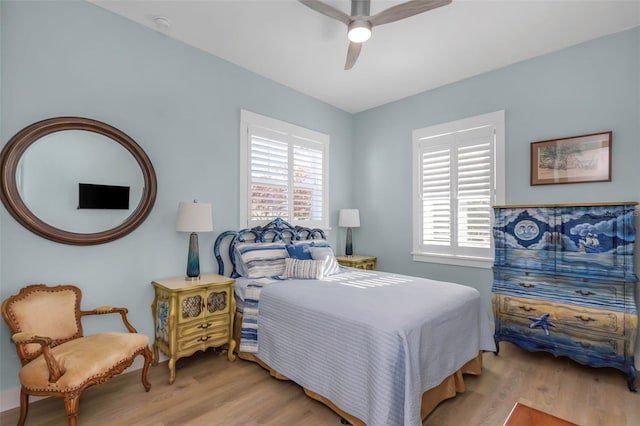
(287, 42)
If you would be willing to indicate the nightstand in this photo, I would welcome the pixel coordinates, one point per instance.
(357, 261)
(191, 316)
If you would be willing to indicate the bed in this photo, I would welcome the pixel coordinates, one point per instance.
(377, 348)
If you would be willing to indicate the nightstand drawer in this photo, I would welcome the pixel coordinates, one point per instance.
(564, 315)
(204, 326)
(208, 338)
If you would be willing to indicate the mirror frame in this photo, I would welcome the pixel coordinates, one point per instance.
(21, 141)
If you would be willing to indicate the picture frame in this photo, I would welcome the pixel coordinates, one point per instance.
(575, 159)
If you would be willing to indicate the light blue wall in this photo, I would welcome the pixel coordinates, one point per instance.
(180, 104)
(588, 88)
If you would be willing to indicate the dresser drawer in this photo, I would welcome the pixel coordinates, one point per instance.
(581, 346)
(564, 316)
(587, 292)
(212, 337)
(203, 327)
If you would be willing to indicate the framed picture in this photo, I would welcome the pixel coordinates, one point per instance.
(577, 159)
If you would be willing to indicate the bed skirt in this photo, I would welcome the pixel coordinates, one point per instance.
(448, 388)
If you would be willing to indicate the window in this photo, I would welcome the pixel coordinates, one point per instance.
(458, 175)
(283, 173)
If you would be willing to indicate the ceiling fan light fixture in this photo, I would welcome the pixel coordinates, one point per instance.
(359, 31)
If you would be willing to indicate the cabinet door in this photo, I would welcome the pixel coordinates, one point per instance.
(596, 240)
(191, 305)
(217, 301)
(525, 237)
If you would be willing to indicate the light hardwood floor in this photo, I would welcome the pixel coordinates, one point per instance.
(209, 390)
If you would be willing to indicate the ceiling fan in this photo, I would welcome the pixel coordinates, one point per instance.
(360, 23)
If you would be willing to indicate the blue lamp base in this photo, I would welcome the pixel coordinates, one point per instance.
(193, 258)
(348, 250)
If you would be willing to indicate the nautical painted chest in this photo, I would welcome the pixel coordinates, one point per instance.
(564, 282)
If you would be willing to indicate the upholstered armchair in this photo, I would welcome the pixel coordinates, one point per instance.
(57, 359)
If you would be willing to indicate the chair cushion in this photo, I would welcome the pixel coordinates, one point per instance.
(83, 359)
(60, 322)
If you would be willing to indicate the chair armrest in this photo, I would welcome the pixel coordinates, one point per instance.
(101, 310)
(27, 338)
(56, 369)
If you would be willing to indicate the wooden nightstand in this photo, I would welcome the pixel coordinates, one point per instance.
(191, 316)
(357, 261)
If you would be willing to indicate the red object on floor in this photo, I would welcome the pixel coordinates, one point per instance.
(523, 415)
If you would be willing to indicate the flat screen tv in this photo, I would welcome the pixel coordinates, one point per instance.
(93, 196)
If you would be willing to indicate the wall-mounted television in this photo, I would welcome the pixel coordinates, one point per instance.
(92, 196)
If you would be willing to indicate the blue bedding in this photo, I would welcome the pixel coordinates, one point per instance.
(371, 342)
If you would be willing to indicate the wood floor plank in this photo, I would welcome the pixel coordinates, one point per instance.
(211, 391)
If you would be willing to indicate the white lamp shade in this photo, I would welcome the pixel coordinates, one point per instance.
(349, 218)
(194, 217)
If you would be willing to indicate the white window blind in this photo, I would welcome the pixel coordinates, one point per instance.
(308, 181)
(269, 176)
(436, 196)
(474, 174)
(285, 174)
(457, 180)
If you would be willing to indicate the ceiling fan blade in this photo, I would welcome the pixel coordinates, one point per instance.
(405, 10)
(352, 55)
(327, 10)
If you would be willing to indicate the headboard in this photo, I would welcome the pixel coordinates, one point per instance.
(276, 230)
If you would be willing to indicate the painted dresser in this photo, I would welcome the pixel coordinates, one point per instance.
(564, 282)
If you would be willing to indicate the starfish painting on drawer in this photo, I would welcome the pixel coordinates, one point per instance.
(542, 322)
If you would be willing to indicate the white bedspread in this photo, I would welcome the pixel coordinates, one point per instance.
(371, 342)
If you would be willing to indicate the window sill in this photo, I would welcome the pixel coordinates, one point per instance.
(472, 262)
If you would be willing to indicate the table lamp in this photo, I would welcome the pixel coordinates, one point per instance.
(349, 218)
(194, 217)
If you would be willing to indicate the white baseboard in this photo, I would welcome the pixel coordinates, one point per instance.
(10, 398)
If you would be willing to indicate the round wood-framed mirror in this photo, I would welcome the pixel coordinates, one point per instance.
(88, 135)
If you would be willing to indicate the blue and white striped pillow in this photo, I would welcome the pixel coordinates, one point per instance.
(262, 259)
(303, 269)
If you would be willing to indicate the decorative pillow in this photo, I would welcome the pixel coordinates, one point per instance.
(325, 253)
(300, 249)
(303, 269)
(241, 268)
(262, 259)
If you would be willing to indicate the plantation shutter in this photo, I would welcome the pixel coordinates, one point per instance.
(474, 187)
(436, 193)
(286, 178)
(307, 180)
(269, 176)
(456, 191)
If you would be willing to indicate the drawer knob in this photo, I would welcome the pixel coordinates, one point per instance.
(585, 293)
(526, 285)
(585, 345)
(204, 339)
(526, 308)
(207, 325)
(585, 319)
